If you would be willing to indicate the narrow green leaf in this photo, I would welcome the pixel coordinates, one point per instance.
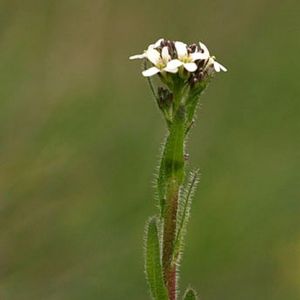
(192, 104)
(185, 203)
(190, 294)
(191, 107)
(153, 266)
(161, 181)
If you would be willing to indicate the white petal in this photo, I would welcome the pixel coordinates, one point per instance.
(170, 70)
(173, 64)
(165, 54)
(191, 67)
(153, 55)
(198, 56)
(181, 49)
(138, 56)
(150, 72)
(204, 48)
(157, 43)
(218, 67)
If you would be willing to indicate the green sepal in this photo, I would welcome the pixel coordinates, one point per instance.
(190, 294)
(153, 267)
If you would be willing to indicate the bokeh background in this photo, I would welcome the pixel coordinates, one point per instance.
(79, 140)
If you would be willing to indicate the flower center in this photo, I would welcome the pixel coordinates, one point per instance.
(161, 64)
(186, 59)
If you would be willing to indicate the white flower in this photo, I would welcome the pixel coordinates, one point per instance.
(144, 55)
(211, 62)
(161, 61)
(186, 59)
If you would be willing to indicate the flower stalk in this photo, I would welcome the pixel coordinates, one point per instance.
(185, 71)
(174, 175)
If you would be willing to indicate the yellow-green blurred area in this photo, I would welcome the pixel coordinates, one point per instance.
(80, 136)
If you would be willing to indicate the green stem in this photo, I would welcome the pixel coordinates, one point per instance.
(173, 164)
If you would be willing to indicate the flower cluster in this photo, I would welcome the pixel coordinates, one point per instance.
(192, 62)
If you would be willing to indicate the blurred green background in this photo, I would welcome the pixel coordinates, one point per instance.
(79, 140)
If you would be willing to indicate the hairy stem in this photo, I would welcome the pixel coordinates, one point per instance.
(168, 243)
(174, 173)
